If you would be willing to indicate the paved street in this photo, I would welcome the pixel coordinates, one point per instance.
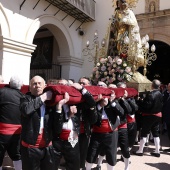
(146, 162)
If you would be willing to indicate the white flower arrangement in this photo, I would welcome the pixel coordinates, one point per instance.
(112, 70)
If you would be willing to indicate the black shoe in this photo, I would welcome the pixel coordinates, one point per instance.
(166, 150)
(138, 154)
(155, 154)
(146, 144)
(98, 167)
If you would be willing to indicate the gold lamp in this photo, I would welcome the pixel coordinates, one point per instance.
(95, 49)
(139, 53)
(148, 56)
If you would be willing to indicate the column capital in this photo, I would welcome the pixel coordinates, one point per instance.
(13, 46)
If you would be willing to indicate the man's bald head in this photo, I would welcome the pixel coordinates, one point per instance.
(156, 84)
(37, 85)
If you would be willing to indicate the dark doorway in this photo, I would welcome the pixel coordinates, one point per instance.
(160, 68)
(43, 62)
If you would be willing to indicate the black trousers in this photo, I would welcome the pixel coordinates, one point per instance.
(168, 129)
(123, 142)
(83, 145)
(132, 131)
(150, 123)
(138, 118)
(11, 144)
(70, 154)
(37, 158)
(108, 141)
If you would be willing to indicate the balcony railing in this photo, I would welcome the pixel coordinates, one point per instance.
(87, 6)
(82, 10)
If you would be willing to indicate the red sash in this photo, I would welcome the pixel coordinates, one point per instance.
(122, 126)
(130, 119)
(9, 129)
(64, 134)
(104, 128)
(40, 143)
(156, 114)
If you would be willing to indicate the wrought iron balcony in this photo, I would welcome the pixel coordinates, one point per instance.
(81, 10)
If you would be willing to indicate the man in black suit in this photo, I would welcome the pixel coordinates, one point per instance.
(151, 108)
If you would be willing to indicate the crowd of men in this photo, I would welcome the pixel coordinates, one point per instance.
(37, 136)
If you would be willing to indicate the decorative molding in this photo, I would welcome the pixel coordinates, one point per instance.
(157, 14)
(151, 6)
(153, 23)
(9, 45)
(68, 60)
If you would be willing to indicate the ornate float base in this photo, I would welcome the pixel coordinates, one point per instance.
(140, 82)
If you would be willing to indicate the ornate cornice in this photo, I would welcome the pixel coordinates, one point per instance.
(156, 14)
(16, 47)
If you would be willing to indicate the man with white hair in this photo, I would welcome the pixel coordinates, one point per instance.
(10, 121)
(102, 84)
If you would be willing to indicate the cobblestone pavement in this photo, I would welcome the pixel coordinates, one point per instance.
(145, 162)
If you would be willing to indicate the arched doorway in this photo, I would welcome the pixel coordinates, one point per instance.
(160, 68)
(61, 37)
(44, 58)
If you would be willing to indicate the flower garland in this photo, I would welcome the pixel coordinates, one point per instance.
(112, 70)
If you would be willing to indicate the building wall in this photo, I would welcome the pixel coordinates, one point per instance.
(157, 25)
(19, 26)
(104, 11)
(140, 7)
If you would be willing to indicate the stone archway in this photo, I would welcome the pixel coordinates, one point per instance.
(4, 23)
(62, 36)
(58, 30)
(156, 25)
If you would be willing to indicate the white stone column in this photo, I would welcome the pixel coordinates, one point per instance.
(71, 67)
(15, 58)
